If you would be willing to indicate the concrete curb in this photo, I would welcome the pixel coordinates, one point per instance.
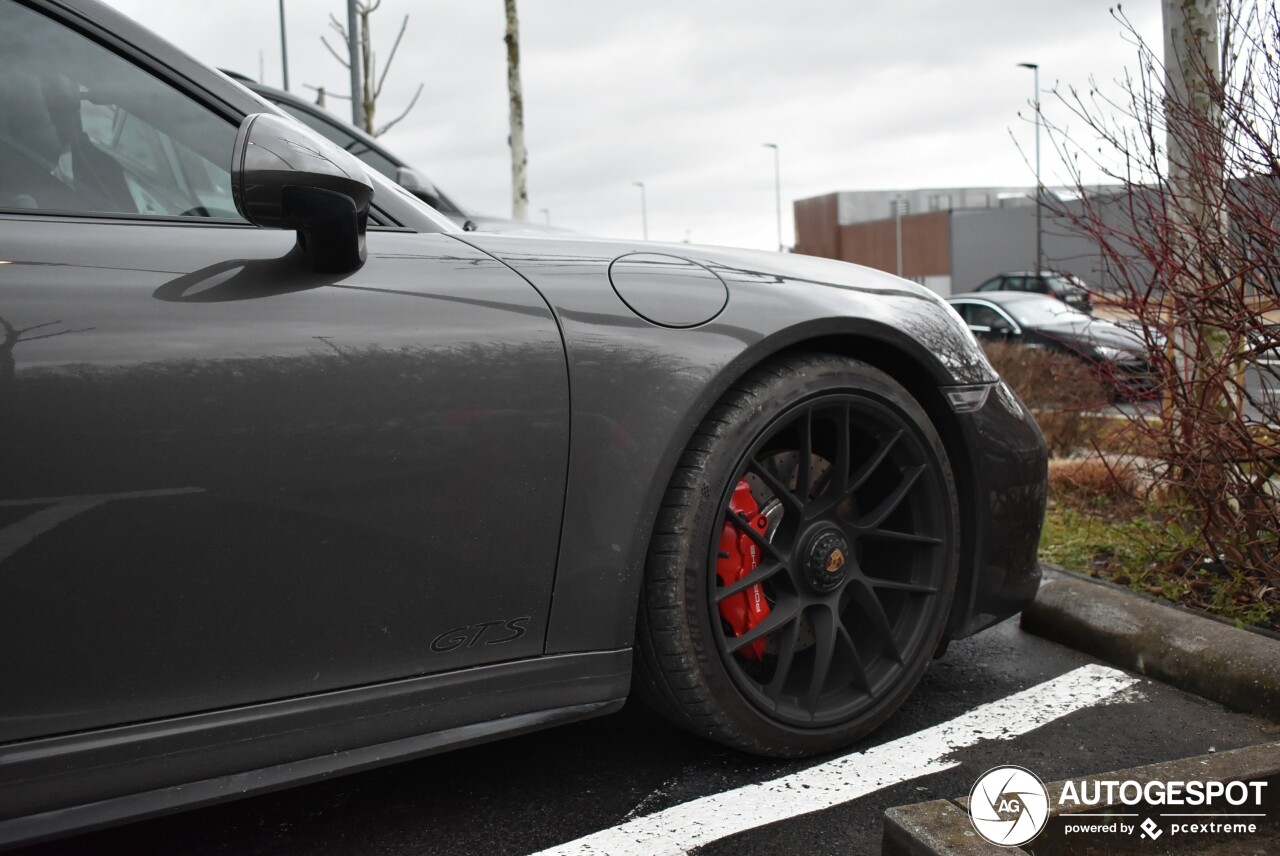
(1234, 667)
(942, 827)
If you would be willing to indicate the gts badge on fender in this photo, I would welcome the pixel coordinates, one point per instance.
(491, 632)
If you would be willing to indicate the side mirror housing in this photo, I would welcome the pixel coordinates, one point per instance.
(415, 182)
(283, 176)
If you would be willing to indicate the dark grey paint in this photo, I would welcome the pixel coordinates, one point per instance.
(667, 290)
(640, 389)
(369, 461)
(57, 783)
(234, 488)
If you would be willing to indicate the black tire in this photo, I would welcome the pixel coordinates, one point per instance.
(841, 648)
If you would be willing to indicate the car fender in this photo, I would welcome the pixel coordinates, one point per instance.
(638, 390)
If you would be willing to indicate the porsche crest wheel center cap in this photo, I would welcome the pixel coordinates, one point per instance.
(826, 559)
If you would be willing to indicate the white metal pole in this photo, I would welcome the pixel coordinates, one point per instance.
(1039, 185)
(644, 212)
(777, 189)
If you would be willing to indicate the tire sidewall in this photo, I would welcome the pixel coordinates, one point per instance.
(776, 395)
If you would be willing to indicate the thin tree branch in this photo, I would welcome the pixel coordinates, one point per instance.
(336, 55)
(392, 123)
(390, 57)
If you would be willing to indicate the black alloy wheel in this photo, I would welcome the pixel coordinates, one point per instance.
(848, 560)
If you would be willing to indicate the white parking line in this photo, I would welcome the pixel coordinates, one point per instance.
(681, 828)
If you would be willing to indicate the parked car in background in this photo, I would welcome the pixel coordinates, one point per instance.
(1068, 288)
(377, 156)
(1038, 321)
(1264, 346)
(292, 483)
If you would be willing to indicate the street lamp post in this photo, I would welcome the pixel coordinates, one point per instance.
(897, 231)
(284, 49)
(644, 211)
(777, 189)
(1039, 187)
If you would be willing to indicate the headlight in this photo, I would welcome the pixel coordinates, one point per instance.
(1116, 355)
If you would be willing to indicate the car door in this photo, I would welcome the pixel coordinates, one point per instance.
(985, 321)
(225, 479)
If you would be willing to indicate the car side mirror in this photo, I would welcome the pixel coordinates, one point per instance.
(283, 176)
(1001, 327)
(416, 183)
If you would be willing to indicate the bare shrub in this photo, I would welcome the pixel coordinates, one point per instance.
(1095, 480)
(1191, 246)
(1059, 389)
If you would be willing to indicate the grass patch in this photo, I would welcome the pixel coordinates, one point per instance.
(1115, 512)
(1147, 549)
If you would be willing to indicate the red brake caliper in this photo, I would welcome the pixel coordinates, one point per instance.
(737, 557)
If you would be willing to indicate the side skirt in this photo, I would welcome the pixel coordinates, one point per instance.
(77, 782)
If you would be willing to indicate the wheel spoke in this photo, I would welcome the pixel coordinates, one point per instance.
(844, 451)
(786, 656)
(759, 575)
(895, 585)
(824, 623)
(870, 605)
(804, 477)
(775, 484)
(872, 519)
(890, 535)
(877, 458)
(855, 660)
(851, 483)
(759, 540)
(780, 616)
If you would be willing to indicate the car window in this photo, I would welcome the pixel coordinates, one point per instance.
(990, 285)
(980, 315)
(985, 316)
(84, 130)
(334, 133)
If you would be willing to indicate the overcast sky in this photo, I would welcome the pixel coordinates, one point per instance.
(681, 95)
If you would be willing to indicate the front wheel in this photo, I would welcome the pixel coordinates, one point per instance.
(803, 562)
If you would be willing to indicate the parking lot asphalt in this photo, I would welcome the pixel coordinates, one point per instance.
(574, 788)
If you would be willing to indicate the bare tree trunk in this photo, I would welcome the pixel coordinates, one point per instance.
(1192, 69)
(519, 157)
(356, 64)
(367, 71)
(1196, 190)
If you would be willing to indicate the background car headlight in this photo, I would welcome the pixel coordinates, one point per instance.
(1116, 355)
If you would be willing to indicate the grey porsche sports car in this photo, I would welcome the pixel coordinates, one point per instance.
(296, 477)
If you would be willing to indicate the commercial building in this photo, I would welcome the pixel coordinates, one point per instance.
(949, 239)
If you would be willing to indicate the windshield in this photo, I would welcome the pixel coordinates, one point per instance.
(1037, 311)
(1064, 284)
